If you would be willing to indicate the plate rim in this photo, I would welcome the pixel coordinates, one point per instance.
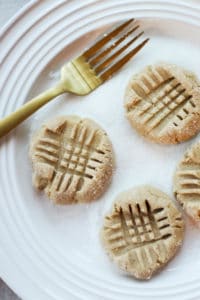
(17, 17)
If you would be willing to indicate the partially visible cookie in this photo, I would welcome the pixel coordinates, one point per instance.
(143, 231)
(72, 160)
(187, 182)
(163, 103)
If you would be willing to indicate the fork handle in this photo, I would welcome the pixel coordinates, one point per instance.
(11, 121)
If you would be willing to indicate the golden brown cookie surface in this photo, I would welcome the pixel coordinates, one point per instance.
(143, 231)
(72, 160)
(162, 103)
(187, 182)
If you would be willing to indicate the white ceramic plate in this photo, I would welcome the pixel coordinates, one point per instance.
(54, 253)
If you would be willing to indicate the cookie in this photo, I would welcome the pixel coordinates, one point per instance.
(163, 103)
(143, 231)
(72, 160)
(187, 182)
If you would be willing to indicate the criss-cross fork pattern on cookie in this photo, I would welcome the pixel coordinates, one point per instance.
(73, 156)
(187, 179)
(143, 231)
(128, 231)
(162, 98)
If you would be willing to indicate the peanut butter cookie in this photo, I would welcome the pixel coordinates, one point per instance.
(143, 231)
(163, 103)
(72, 160)
(187, 182)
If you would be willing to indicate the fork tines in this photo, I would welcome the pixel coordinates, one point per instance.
(102, 56)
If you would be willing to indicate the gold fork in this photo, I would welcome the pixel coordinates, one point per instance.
(84, 73)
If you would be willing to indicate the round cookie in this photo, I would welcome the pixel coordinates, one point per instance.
(143, 231)
(163, 102)
(187, 182)
(72, 160)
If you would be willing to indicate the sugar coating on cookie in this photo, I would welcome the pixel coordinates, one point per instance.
(187, 182)
(143, 231)
(163, 103)
(72, 160)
